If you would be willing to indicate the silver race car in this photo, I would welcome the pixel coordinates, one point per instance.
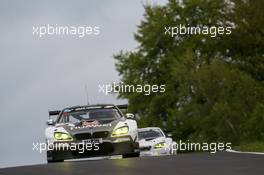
(153, 142)
(88, 131)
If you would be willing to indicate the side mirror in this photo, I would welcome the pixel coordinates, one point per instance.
(130, 115)
(50, 122)
(169, 135)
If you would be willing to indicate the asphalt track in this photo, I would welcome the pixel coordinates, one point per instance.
(222, 163)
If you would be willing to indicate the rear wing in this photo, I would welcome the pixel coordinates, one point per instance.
(53, 113)
(125, 106)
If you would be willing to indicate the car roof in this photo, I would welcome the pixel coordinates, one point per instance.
(149, 128)
(88, 106)
(85, 107)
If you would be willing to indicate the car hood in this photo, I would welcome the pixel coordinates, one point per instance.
(104, 125)
(145, 143)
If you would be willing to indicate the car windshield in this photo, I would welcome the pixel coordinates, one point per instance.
(149, 134)
(88, 115)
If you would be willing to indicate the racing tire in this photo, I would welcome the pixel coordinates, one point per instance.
(55, 160)
(52, 159)
(136, 154)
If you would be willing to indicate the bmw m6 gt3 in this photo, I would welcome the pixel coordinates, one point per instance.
(88, 131)
(153, 142)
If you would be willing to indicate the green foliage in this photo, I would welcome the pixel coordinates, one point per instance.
(214, 86)
(251, 147)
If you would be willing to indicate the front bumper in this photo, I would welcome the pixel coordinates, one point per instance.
(108, 147)
(154, 152)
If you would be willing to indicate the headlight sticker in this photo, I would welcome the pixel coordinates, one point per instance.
(120, 131)
(62, 136)
(160, 145)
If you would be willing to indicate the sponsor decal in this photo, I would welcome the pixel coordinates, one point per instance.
(91, 125)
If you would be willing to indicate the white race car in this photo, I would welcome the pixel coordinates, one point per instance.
(88, 131)
(153, 142)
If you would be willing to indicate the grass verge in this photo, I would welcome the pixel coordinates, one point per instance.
(251, 147)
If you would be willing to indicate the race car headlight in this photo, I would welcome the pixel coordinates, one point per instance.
(159, 145)
(120, 131)
(62, 136)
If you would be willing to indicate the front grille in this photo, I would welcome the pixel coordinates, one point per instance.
(146, 148)
(83, 136)
(105, 148)
(95, 135)
(102, 134)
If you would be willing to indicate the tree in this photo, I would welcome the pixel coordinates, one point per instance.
(212, 88)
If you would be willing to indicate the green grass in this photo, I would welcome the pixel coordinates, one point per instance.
(251, 147)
